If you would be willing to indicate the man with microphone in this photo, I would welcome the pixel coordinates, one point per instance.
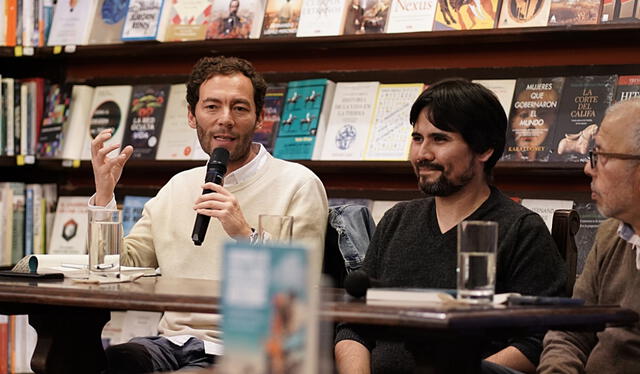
(225, 98)
(458, 135)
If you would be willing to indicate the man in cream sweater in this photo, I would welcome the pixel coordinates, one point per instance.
(225, 97)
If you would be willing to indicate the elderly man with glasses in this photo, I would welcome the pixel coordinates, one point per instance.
(612, 272)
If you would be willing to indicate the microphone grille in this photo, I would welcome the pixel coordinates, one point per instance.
(219, 155)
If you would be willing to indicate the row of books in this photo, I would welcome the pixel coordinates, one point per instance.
(41, 22)
(550, 118)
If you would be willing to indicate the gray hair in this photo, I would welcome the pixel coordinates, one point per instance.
(630, 110)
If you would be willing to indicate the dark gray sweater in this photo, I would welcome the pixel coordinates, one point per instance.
(408, 250)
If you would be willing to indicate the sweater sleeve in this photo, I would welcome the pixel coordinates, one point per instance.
(564, 351)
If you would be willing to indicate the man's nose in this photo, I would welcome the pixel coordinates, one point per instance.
(226, 118)
(588, 170)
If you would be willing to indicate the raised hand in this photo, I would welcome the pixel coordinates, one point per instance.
(107, 170)
(223, 205)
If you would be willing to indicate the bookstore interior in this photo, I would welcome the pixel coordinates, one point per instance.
(342, 76)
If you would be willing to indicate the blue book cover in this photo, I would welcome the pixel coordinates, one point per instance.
(268, 308)
(132, 211)
(300, 123)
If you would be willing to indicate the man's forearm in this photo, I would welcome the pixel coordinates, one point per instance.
(352, 358)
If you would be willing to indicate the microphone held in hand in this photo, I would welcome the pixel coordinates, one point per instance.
(358, 282)
(216, 169)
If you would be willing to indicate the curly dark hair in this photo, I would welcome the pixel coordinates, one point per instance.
(207, 67)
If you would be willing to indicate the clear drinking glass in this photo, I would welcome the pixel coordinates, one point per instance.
(103, 242)
(477, 243)
(275, 228)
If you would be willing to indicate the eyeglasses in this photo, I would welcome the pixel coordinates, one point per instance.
(593, 157)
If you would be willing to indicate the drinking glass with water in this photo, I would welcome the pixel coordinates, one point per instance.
(477, 244)
(103, 241)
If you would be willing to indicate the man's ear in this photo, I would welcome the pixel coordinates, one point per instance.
(191, 119)
(259, 121)
(486, 155)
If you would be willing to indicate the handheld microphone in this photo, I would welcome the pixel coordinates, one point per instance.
(216, 169)
(358, 282)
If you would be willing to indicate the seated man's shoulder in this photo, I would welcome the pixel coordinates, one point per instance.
(293, 169)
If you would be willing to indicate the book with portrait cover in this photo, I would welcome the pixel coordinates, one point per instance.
(184, 20)
(108, 111)
(502, 88)
(272, 109)
(620, 11)
(281, 17)
(142, 20)
(349, 121)
(108, 22)
(532, 118)
(304, 118)
(235, 19)
(411, 15)
(574, 12)
(272, 286)
(584, 102)
(628, 87)
(466, 15)
(56, 111)
(390, 132)
(524, 13)
(144, 120)
(322, 17)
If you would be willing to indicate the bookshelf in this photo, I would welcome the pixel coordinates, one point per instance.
(410, 57)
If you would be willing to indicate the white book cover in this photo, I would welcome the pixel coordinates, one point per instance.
(349, 121)
(70, 226)
(323, 120)
(72, 22)
(322, 17)
(109, 109)
(177, 138)
(411, 15)
(77, 122)
(380, 207)
(546, 208)
(143, 18)
(184, 20)
(28, 21)
(138, 323)
(7, 224)
(390, 134)
(503, 88)
(7, 94)
(234, 19)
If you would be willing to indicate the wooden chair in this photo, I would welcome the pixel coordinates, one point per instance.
(566, 223)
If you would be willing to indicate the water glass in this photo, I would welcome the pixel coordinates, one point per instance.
(477, 245)
(275, 228)
(104, 240)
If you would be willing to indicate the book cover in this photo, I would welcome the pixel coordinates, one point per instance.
(533, 116)
(235, 19)
(466, 15)
(281, 17)
(271, 286)
(390, 133)
(620, 11)
(108, 22)
(132, 211)
(322, 17)
(374, 16)
(411, 15)
(70, 226)
(108, 111)
(380, 207)
(50, 195)
(71, 23)
(302, 118)
(502, 88)
(590, 220)
(144, 120)
(77, 122)
(7, 115)
(545, 208)
(582, 107)
(349, 121)
(18, 224)
(628, 87)
(574, 12)
(55, 114)
(524, 13)
(142, 20)
(6, 224)
(273, 104)
(178, 141)
(184, 20)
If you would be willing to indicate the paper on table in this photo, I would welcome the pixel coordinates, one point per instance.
(70, 265)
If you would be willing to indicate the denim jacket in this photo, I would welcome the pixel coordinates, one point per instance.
(355, 227)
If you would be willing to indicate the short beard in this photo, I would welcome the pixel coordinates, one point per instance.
(444, 187)
(237, 154)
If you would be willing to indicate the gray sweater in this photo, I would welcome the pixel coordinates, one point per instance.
(609, 277)
(408, 250)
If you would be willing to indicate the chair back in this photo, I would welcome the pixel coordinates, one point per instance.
(566, 223)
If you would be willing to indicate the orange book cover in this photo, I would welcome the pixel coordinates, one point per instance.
(12, 18)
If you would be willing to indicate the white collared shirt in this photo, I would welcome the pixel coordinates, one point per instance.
(625, 231)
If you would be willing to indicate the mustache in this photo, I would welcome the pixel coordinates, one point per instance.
(429, 165)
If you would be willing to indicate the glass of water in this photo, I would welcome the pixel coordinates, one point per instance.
(103, 242)
(477, 244)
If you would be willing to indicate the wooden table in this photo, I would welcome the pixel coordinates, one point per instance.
(69, 318)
